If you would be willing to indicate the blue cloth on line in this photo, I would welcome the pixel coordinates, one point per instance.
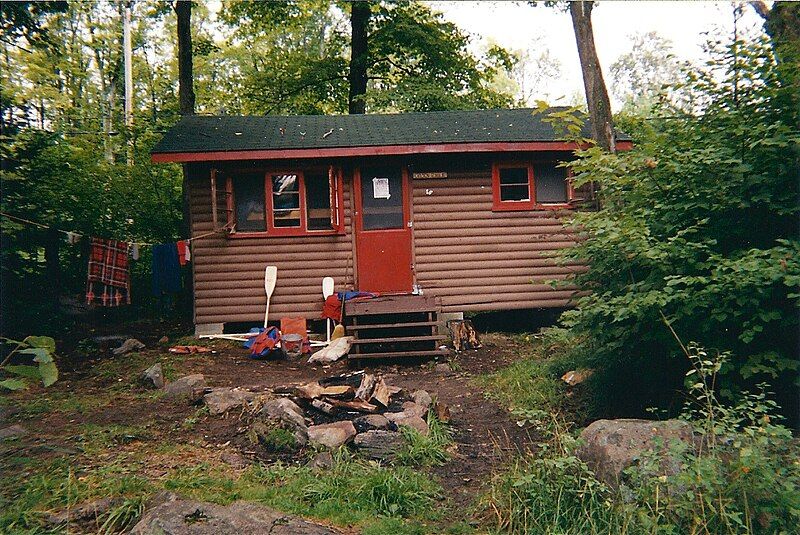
(166, 269)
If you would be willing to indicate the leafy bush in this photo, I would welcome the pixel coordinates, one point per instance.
(697, 230)
(743, 477)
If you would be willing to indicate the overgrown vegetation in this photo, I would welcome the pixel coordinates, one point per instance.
(697, 233)
(742, 476)
(426, 450)
(43, 368)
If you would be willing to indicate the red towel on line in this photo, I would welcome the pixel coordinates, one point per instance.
(108, 268)
(184, 252)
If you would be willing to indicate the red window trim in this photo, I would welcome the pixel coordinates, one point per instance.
(335, 183)
(499, 205)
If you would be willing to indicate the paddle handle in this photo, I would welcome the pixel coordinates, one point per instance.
(266, 312)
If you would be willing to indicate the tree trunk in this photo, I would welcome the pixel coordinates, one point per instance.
(593, 84)
(359, 19)
(53, 267)
(183, 9)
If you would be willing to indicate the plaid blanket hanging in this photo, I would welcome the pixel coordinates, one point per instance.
(108, 281)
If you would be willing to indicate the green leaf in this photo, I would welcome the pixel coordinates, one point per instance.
(31, 372)
(13, 384)
(44, 342)
(49, 373)
(38, 352)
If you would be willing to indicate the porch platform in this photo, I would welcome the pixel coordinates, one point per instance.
(394, 326)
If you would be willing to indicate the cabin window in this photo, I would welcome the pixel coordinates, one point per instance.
(285, 202)
(529, 186)
(551, 183)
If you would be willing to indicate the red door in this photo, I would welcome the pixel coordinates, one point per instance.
(383, 234)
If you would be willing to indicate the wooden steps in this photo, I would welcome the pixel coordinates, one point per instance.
(394, 326)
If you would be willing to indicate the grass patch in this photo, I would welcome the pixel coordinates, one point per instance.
(531, 382)
(426, 450)
(353, 492)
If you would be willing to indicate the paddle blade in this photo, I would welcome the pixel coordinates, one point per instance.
(327, 287)
(270, 277)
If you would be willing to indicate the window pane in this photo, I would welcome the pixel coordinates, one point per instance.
(514, 193)
(318, 201)
(514, 176)
(382, 198)
(286, 200)
(551, 183)
(248, 192)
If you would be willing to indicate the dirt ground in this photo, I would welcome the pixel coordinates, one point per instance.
(103, 392)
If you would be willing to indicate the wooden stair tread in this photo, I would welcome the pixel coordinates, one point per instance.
(397, 354)
(392, 304)
(392, 325)
(398, 339)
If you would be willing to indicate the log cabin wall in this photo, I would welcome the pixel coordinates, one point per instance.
(229, 272)
(476, 259)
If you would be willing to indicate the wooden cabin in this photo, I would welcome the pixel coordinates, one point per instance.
(464, 208)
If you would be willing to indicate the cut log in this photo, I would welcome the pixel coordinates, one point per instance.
(353, 379)
(464, 335)
(355, 405)
(381, 392)
(323, 407)
(442, 412)
(366, 387)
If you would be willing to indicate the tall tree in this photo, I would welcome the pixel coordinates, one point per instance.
(183, 10)
(359, 22)
(595, 87)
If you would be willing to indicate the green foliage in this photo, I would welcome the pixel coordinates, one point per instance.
(697, 231)
(745, 477)
(42, 348)
(294, 58)
(351, 492)
(426, 450)
(741, 476)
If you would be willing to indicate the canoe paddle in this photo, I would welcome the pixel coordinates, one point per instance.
(327, 291)
(270, 277)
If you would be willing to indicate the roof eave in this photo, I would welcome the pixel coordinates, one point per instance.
(382, 150)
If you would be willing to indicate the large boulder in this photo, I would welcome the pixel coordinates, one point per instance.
(611, 446)
(191, 387)
(221, 400)
(370, 422)
(177, 516)
(285, 410)
(332, 435)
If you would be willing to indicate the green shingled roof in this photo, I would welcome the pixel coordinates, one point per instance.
(201, 133)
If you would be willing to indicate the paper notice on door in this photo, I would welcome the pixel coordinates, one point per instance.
(380, 188)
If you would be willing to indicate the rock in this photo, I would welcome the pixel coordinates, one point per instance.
(221, 400)
(321, 461)
(191, 387)
(443, 367)
(163, 340)
(285, 410)
(129, 345)
(235, 461)
(14, 431)
(277, 435)
(576, 377)
(153, 377)
(408, 419)
(177, 516)
(422, 398)
(370, 422)
(379, 445)
(442, 412)
(331, 435)
(414, 408)
(610, 446)
(82, 512)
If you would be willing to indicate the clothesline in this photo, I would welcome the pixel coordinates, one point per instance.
(67, 232)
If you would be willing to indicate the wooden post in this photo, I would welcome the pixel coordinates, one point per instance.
(463, 334)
